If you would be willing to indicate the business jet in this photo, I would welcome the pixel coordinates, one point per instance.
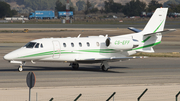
(93, 49)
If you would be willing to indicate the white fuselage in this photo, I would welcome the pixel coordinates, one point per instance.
(66, 50)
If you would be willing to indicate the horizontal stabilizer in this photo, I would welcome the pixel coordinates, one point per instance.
(162, 32)
(134, 29)
(148, 50)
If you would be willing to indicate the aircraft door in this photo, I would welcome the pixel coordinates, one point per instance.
(56, 50)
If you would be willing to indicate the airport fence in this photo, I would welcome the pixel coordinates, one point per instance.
(134, 95)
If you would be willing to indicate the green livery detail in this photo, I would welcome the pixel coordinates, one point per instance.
(146, 39)
(67, 52)
(158, 27)
(150, 45)
(38, 54)
(153, 32)
(41, 54)
(99, 51)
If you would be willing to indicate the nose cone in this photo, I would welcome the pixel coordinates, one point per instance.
(7, 57)
(12, 55)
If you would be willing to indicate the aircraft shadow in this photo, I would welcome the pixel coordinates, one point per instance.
(83, 68)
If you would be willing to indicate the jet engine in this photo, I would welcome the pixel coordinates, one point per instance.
(119, 43)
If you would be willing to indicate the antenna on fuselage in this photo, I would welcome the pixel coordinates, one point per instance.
(79, 35)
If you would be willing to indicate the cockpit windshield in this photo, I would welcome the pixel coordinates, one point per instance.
(37, 45)
(30, 45)
(34, 45)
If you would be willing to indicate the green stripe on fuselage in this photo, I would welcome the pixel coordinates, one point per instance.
(99, 51)
(146, 39)
(38, 54)
(67, 52)
(150, 45)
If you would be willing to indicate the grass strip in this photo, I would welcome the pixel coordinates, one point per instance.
(169, 54)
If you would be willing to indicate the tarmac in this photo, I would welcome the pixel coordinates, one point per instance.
(128, 79)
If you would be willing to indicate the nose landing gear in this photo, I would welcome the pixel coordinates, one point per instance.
(20, 68)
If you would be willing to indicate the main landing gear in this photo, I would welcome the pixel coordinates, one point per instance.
(75, 66)
(104, 66)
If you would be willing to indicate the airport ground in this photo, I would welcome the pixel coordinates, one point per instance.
(161, 75)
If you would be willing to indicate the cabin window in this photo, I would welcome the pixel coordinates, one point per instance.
(88, 44)
(37, 45)
(64, 44)
(72, 44)
(30, 45)
(80, 44)
(41, 45)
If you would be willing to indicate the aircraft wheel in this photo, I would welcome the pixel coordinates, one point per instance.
(75, 66)
(104, 68)
(20, 69)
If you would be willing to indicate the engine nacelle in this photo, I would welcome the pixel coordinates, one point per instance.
(119, 43)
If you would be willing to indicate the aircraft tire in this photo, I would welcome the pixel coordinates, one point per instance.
(75, 66)
(104, 68)
(20, 69)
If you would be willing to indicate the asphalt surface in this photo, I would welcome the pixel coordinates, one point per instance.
(164, 47)
(52, 74)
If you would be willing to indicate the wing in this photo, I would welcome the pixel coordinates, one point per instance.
(162, 32)
(112, 59)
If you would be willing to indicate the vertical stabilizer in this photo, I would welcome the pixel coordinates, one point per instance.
(152, 33)
(157, 21)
